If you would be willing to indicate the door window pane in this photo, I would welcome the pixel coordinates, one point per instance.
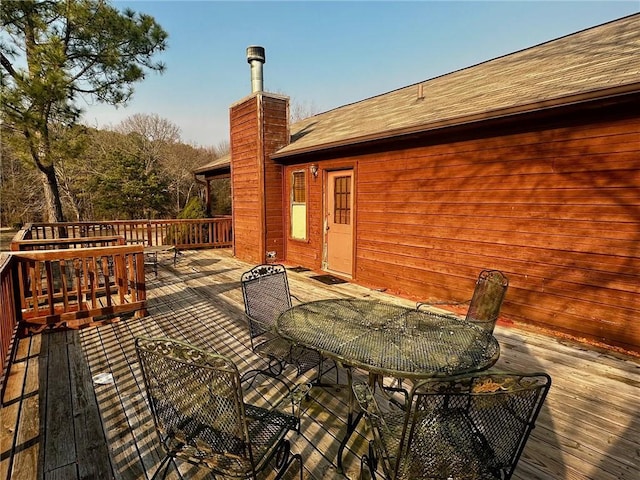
(342, 200)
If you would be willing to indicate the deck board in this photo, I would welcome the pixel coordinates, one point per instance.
(58, 423)
(25, 425)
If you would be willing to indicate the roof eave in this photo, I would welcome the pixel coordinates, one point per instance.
(538, 106)
(204, 170)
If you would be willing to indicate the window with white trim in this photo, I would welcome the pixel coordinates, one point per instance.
(299, 205)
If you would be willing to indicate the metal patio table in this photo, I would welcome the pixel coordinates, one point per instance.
(388, 340)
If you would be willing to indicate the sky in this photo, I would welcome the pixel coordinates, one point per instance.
(325, 54)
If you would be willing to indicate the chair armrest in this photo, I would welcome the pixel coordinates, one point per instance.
(273, 391)
(383, 425)
(364, 396)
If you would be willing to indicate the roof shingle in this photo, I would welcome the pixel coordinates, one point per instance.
(589, 63)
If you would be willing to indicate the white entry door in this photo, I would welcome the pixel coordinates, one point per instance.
(339, 222)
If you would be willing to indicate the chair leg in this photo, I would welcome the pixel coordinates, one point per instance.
(167, 462)
(299, 458)
(370, 464)
(273, 370)
(255, 373)
(275, 366)
(284, 459)
(299, 393)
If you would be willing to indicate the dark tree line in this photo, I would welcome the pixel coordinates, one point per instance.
(140, 169)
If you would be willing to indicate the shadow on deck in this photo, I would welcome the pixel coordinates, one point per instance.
(74, 405)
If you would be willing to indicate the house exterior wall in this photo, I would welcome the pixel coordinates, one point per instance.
(276, 135)
(309, 252)
(556, 206)
(247, 181)
(258, 128)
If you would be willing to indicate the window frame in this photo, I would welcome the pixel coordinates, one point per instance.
(294, 205)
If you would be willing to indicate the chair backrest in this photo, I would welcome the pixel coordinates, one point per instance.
(469, 427)
(196, 399)
(265, 290)
(488, 295)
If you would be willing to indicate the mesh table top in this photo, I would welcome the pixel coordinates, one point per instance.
(388, 339)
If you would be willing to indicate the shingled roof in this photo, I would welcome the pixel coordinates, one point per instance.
(222, 162)
(599, 62)
(595, 63)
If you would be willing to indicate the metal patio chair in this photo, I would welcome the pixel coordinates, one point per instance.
(201, 416)
(465, 427)
(488, 295)
(265, 289)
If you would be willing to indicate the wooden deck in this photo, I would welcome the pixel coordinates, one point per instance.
(74, 404)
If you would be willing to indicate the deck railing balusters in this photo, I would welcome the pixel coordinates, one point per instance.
(182, 233)
(42, 251)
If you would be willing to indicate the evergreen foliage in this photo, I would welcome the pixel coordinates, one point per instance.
(221, 197)
(99, 172)
(127, 190)
(193, 209)
(54, 53)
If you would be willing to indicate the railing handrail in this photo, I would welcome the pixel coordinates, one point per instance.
(182, 233)
(16, 245)
(44, 255)
(124, 222)
(23, 234)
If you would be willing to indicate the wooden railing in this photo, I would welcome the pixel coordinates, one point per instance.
(67, 286)
(74, 288)
(52, 278)
(59, 243)
(183, 233)
(8, 319)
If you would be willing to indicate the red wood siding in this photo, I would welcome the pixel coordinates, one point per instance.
(305, 252)
(246, 175)
(275, 133)
(557, 209)
(309, 252)
(258, 128)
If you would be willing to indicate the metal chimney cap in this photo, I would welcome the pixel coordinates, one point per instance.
(255, 52)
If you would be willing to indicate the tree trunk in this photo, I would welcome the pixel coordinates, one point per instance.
(53, 205)
(73, 204)
(40, 150)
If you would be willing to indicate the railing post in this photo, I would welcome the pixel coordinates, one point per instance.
(149, 237)
(140, 287)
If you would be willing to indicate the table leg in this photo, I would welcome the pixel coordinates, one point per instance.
(352, 422)
(351, 426)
